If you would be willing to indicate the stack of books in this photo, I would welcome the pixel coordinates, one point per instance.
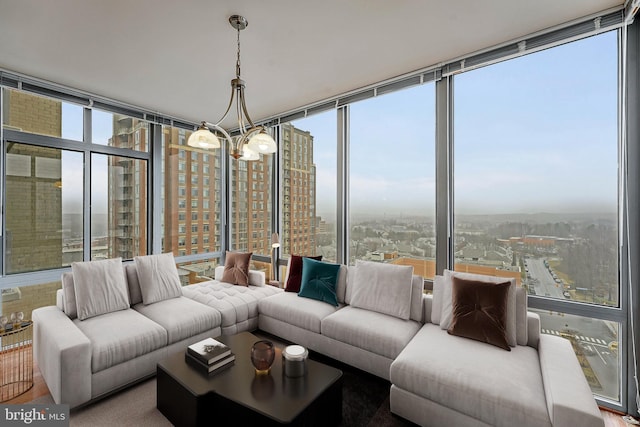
(210, 356)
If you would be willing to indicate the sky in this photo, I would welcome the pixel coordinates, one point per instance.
(533, 134)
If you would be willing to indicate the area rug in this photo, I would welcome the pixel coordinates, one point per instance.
(365, 402)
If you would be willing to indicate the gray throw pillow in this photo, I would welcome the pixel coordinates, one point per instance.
(100, 287)
(158, 277)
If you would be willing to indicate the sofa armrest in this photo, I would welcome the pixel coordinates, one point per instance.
(533, 329)
(427, 304)
(256, 278)
(63, 354)
(569, 398)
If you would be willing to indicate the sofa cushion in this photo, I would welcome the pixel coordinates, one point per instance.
(492, 385)
(480, 311)
(158, 277)
(120, 336)
(304, 313)
(181, 317)
(236, 268)
(445, 316)
(69, 295)
(376, 332)
(236, 304)
(100, 287)
(385, 288)
(135, 294)
(294, 272)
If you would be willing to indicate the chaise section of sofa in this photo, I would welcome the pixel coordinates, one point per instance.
(85, 359)
(443, 379)
(237, 305)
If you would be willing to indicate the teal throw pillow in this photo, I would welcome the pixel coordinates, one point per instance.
(319, 281)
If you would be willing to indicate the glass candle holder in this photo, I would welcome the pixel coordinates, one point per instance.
(16, 319)
(262, 356)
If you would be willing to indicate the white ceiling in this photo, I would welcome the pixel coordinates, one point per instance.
(178, 57)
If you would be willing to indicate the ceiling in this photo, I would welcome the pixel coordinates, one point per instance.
(178, 57)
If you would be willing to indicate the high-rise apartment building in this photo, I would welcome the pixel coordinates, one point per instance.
(298, 192)
(33, 189)
(192, 196)
(127, 191)
(251, 205)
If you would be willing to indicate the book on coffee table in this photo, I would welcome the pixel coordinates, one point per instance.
(214, 367)
(209, 351)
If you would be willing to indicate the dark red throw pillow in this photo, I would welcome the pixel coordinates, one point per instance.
(480, 311)
(295, 272)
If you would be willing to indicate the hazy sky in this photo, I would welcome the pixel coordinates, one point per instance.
(533, 134)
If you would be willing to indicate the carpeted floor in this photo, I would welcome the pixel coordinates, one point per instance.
(365, 402)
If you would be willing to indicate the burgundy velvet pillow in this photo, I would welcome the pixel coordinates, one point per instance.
(480, 311)
(236, 268)
(295, 272)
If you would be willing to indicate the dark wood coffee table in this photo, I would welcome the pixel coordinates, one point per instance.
(236, 396)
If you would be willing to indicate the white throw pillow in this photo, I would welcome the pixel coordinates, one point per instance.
(436, 306)
(69, 295)
(100, 287)
(447, 300)
(158, 277)
(385, 288)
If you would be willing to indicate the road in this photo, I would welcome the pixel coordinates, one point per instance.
(541, 280)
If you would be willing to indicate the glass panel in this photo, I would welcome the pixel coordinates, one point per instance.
(536, 167)
(118, 207)
(251, 201)
(28, 298)
(117, 130)
(392, 179)
(44, 116)
(43, 218)
(309, 187)
(596, 344)
(191, 196)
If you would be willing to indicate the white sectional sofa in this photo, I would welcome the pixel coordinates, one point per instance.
(84, 360)
(440, 379)
(382, 323)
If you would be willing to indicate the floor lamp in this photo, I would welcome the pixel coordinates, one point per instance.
(275, 244)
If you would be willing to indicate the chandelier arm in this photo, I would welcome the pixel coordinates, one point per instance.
(226, 113)
(244, 108)
(221, 130)
(241, 124)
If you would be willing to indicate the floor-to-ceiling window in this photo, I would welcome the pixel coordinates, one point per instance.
(68, 196)
(308, 187)
(392, 179)
(191, 192)
(536, 188)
